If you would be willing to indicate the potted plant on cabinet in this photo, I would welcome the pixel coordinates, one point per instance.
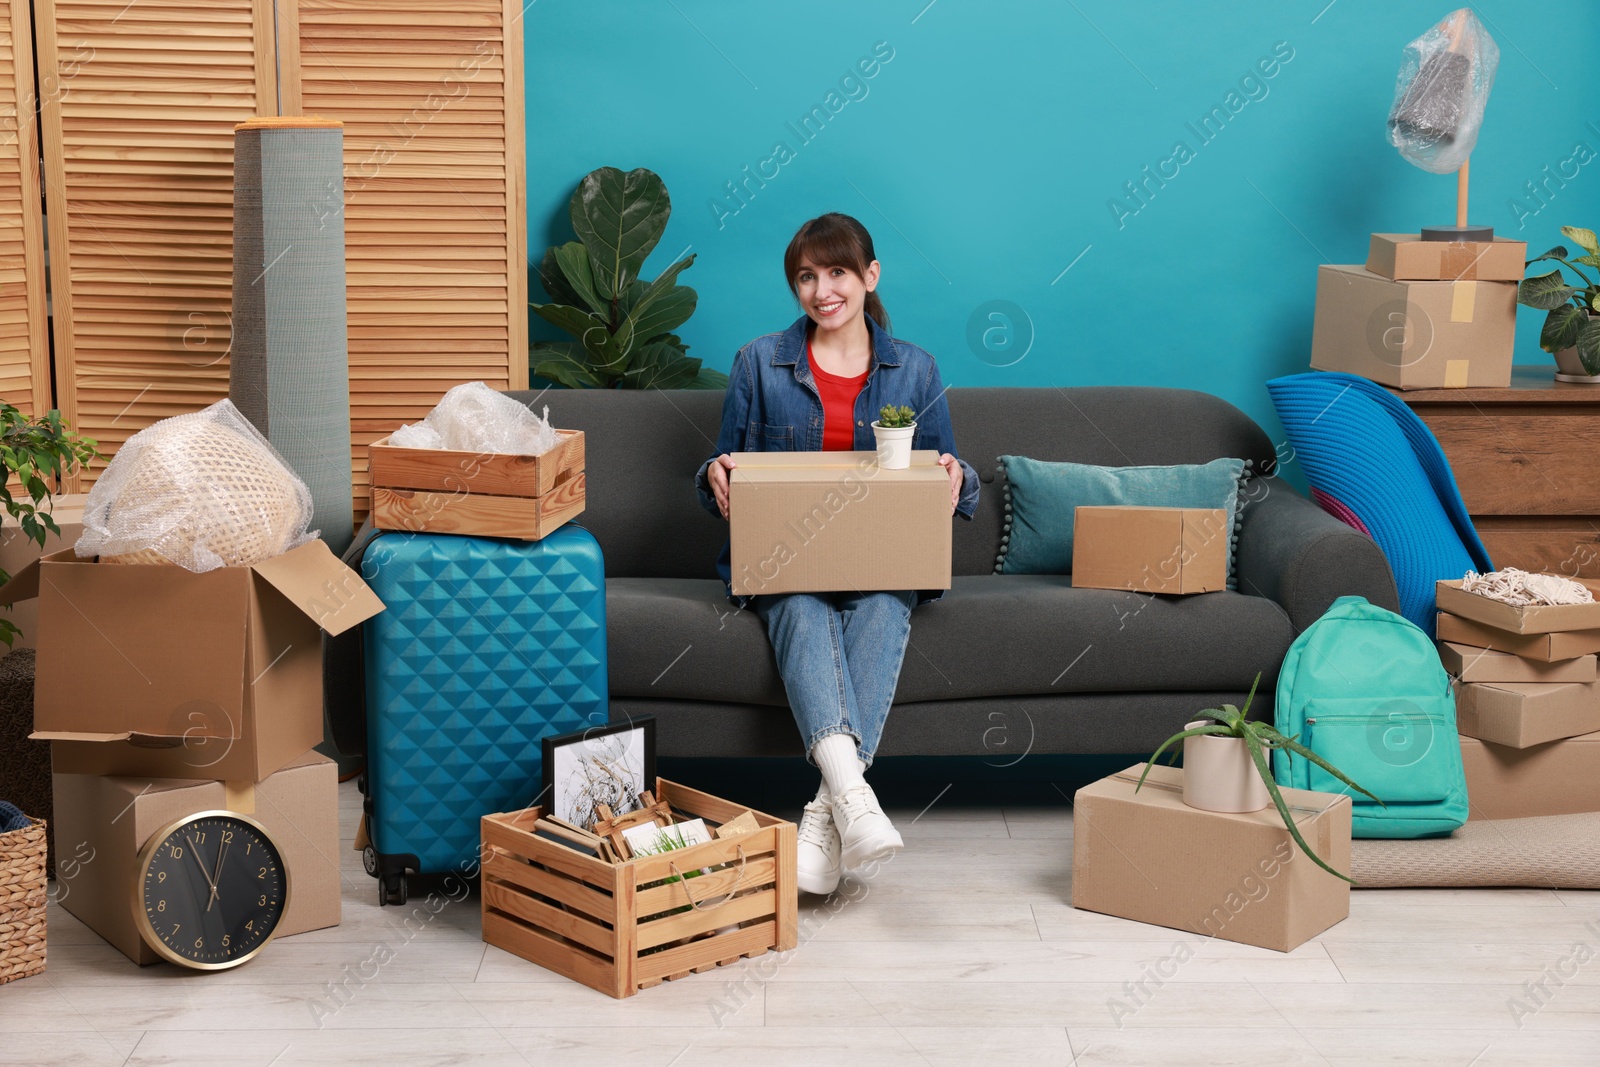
(1226, 766)
(1571, 331)
(893, 429)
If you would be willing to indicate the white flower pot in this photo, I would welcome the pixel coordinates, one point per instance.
(1218, 774)
(894, 445)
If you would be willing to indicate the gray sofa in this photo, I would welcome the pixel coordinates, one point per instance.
(1003, 664)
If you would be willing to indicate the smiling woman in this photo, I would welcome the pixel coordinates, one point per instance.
(814, 387)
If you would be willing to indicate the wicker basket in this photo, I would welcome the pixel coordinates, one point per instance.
(22, 902)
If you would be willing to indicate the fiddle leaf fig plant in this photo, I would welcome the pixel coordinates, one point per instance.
(623, 323)
(1572, 321)
(36, 454)
(1259, 738)
(896, 418)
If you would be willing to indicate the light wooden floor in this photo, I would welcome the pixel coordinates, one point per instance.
(962, 951)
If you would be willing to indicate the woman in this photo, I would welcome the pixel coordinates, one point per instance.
(817, 386)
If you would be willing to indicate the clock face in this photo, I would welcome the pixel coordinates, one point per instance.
(212, 888)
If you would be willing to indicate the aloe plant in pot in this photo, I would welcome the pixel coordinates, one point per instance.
(1571, 331)
(1242, 768)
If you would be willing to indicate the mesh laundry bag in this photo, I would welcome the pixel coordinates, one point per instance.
(203, 490)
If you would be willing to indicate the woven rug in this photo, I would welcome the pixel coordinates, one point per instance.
(1548, 852)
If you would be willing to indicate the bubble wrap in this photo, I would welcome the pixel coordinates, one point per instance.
(1439, 98)
(476, 418)
(203, 490)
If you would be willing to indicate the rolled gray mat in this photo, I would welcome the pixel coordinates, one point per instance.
(290, 360)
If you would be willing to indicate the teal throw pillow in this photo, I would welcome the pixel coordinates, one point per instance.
(1041, 496)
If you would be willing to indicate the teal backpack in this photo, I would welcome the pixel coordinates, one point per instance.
(1364, 689)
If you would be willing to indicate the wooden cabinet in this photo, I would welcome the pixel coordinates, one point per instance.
(1526, 461)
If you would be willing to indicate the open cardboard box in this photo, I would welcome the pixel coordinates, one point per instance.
(156, 670)
(103, 821)
(1533, 619)
(808, 522)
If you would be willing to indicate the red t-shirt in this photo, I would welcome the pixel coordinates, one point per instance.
(838, 406)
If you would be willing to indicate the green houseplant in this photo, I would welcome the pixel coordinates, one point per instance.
(1571, 331)
(36, 453)
(892, 430)
(1258, 740)
(623, 324)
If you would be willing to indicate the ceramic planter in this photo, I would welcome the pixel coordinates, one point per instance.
(1218, 774)
(894, 445)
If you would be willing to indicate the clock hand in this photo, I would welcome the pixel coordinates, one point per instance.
(216, 879)
(196, 854)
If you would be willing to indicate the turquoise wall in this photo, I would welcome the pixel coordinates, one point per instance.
(989, 149)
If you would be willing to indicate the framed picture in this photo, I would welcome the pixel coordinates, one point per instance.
(610, 765)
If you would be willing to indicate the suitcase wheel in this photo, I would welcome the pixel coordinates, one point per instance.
(392, 890)
(369, 860)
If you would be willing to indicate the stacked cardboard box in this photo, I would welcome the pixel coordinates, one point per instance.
(1421, 314)
(1527, 702)
(146, 674)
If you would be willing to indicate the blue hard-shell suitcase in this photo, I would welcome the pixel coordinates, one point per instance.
(487, 647)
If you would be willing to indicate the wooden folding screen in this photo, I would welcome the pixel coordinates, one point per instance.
(138, 161)
(430, 92)
(24, 341)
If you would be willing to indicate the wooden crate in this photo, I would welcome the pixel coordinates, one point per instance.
(622, 927)
(482, 494)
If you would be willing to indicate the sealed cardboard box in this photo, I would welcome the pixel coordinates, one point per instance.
(1150, 550)
(163, 672)
(1468, 664)
(102, 822)
(810, 522)
(1532, 619)
(1150, 857)
(1524, 714)
(1407, 257)
(17, 551)
(1414, 335)
(1546, 648)
(1558, 778)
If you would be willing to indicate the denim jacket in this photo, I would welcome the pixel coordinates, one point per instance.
(772, 405)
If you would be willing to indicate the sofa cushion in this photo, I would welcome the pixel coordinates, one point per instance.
(991, 636)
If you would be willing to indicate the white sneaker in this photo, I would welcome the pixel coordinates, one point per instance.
(817, 863)
(865, 831)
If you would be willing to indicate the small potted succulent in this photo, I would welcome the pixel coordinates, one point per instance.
(1227, 766)
(1571, 331)
(893, 429)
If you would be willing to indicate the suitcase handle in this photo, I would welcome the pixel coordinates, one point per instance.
(706, 905)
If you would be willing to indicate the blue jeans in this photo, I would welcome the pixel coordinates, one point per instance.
(839, 655)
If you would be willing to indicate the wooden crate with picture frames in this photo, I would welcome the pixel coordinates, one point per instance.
(623, 927)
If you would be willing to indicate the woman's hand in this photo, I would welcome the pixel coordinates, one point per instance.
(952, 467)
(717, 475)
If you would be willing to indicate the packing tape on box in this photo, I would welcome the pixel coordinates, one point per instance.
(1462, 296)
(1457, 262)
(239, 797)
(1455, 373)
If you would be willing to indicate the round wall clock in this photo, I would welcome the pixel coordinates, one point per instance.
(211, 890)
